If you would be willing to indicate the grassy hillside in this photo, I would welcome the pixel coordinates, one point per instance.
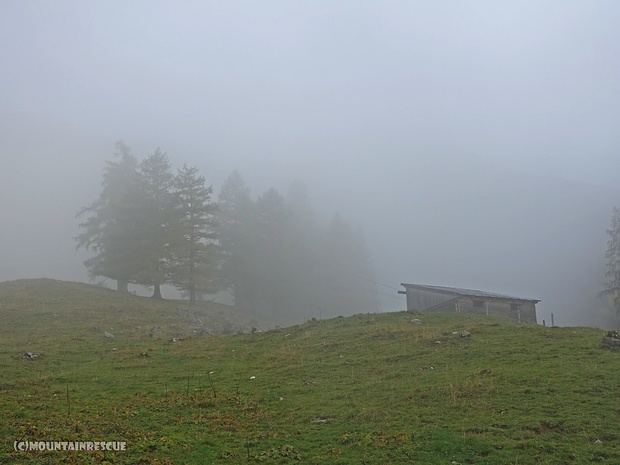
(371, 389)
(53, 308)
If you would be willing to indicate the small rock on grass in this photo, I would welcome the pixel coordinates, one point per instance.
(463, 333)
(321, 419)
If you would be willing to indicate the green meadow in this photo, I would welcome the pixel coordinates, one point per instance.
(203, 384)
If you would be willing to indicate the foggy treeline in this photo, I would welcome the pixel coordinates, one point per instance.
(152, 227)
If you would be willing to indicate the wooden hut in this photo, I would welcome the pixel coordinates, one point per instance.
(452, 299)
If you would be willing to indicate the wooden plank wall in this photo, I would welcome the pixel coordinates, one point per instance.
(419, 299)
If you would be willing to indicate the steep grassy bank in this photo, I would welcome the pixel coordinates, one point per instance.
(365, 389)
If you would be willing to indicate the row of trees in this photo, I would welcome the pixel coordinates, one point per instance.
(279, 260)
(151, 227)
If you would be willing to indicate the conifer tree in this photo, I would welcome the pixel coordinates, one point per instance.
(303, 255)
(612, 285)
(272, 246)
(157, 222)
(110, 230)
(195, 264)
(234, 222)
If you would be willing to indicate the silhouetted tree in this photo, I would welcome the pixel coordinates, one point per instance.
(303, 255)
(270, 264)
(234, 223)
(195, 264)
(110, 231)
(157, 222)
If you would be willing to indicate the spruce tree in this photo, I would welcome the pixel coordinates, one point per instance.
(235, 225)
(272, 246)
(110, 229)
(157, 222)
(195, 262)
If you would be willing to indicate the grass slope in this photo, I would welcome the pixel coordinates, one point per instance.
(371, 389)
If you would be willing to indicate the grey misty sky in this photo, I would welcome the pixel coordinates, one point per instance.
(525, 84)
(416, 119)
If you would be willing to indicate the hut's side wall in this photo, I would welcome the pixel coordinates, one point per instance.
(515, 309)
(448, 306)
(502, 308)
(419, 299)
(528, 312)
(466, 305)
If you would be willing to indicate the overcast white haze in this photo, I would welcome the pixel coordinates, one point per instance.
(476, 143)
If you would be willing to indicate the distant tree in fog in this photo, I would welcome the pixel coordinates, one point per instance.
(271, 247)
(151, 227)
(349, 280)
(157, 222)
(280, 263)
(234, 225)
(110, 228)
(303, 257)
(195, 255)
(612, 285)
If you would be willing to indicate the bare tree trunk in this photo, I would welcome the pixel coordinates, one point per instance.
(122, 285)
(192, 268)
(156, 291)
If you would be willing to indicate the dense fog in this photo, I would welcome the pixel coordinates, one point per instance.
(466, 144)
